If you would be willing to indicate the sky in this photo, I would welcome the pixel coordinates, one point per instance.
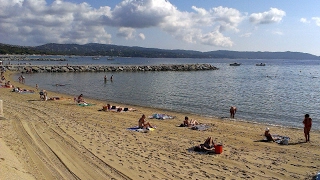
(201, 25)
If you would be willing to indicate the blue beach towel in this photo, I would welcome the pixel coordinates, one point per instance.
(318, 176)
(137, 129)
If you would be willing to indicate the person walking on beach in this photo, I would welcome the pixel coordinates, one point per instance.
(37, 87)
(307, 127)
(233, 111)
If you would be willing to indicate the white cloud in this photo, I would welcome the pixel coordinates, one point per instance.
(36, 22)
(304, 20)
(215, 38)
(142, 36)
(317, 20)
(128, 33)
(274, 15)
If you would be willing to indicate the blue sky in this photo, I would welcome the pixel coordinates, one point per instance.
(202, 25)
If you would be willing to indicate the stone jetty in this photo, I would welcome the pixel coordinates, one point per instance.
(25, 58)
(107, 68)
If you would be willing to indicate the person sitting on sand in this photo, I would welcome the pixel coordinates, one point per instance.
(233, 111)
(269, 136)
(143, 124)
(79, 99)
(187, 123)
(208, 145)
(43, 95)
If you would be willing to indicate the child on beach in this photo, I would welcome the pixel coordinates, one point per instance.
(307, 126)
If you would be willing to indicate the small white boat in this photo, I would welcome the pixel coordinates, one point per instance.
(110, 58)
(260, 64)
(235, 64)
(96, 58)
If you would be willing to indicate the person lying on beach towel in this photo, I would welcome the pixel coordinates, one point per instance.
(120, 109)
(56, 98)
(22, 91)
(208, 145)
(160, 116)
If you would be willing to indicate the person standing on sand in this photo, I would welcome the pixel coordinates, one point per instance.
(307, 126)
(233, 111)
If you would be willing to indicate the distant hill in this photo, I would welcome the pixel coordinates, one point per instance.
(94, 49)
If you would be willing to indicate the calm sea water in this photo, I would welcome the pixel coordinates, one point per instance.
(279, 93)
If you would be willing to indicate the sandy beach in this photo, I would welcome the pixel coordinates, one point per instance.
(58, 139)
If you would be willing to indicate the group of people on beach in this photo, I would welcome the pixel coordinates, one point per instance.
(307, 121)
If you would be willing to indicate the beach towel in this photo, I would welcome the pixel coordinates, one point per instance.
(137, 129)
(318, 176)
(26, 92)
(284, 140)
(160, 116)
(200, 127)
(85, 104)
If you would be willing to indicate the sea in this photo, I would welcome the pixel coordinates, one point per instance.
(277, 94)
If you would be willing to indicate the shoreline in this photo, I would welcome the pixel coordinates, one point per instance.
(53, 138)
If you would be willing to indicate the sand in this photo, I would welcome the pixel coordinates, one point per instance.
(61, 140)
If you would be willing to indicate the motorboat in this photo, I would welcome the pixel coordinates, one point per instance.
(110, 58)
(260, 64)
(235, 64)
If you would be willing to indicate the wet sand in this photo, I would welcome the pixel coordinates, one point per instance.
(61, 140)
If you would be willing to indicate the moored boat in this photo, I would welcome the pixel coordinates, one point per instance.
(96, 58)
(235, 64)
(260, 64)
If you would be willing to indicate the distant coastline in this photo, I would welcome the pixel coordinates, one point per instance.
(94, 49)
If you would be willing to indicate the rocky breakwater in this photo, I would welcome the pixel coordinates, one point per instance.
(108, 68)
